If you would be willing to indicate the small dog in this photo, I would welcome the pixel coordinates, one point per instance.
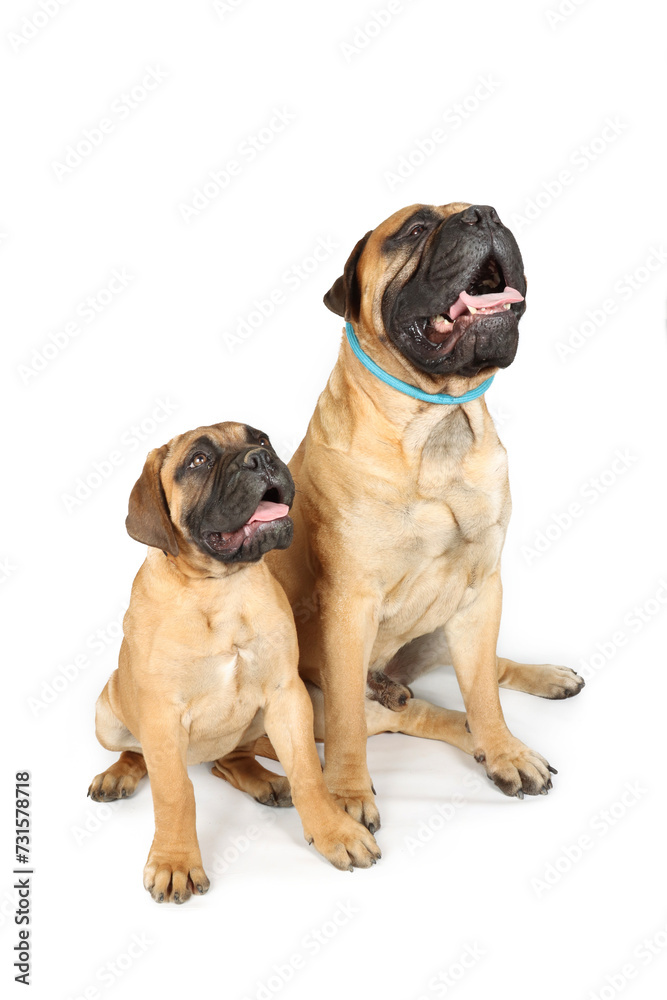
(209, 661)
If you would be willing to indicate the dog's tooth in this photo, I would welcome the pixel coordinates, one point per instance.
(472, 310)
(439, 318)
(507, 305)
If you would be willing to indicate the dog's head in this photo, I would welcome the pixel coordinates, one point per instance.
(444, 284)
(218, 493)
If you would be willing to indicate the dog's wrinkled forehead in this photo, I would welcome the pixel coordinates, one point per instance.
(390, 249)
(227, 437)
(389, 245)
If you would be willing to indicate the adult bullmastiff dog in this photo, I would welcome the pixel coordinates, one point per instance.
(403, 502)
(209, 659)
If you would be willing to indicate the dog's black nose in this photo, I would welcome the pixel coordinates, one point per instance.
(257, 458)
(479, 215)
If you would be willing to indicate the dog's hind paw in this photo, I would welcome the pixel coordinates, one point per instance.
(120, 780)
(389, 693)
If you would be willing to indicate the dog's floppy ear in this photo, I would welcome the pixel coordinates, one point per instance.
(344, 296)
(148, 518)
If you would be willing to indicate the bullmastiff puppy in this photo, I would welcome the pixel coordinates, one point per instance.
(209, 659)
(403, 502)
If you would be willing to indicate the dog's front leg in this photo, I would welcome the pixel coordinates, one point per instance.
(348, 629)
(288, 717)
(174, 867)
(472, 635)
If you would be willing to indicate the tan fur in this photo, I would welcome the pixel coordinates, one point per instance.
(208, 664)
(400, 519)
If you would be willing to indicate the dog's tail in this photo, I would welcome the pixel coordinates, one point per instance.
(264, 748)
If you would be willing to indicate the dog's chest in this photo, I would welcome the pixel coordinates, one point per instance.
(224, 689)
(447, 534)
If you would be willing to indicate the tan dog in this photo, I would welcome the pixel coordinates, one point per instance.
(403, 504)
(209, 659)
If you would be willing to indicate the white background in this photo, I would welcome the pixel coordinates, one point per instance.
(359, 104)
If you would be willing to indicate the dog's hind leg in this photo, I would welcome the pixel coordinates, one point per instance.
(543, 680)
(120, 780)
(418, 718)
(390, 685)
(430, 651)
(423, 654)
(242, 771)
(388, 692)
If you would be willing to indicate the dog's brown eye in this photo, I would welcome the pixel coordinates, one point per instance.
(417, 230)
(264, 442)
(199, 459)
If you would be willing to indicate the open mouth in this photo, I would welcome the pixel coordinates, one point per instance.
(486, 295)
(269, 513)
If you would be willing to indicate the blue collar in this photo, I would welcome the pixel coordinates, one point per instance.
(404, 387)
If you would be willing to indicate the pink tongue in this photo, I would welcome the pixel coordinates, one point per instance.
(268, 511)
(464, 301)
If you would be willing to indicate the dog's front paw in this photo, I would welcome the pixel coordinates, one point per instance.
(516, 769)
(344, 842)
(172, 877)
(359, 804)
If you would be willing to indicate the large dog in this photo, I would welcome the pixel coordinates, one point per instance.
(209, 661)
(403, 502)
